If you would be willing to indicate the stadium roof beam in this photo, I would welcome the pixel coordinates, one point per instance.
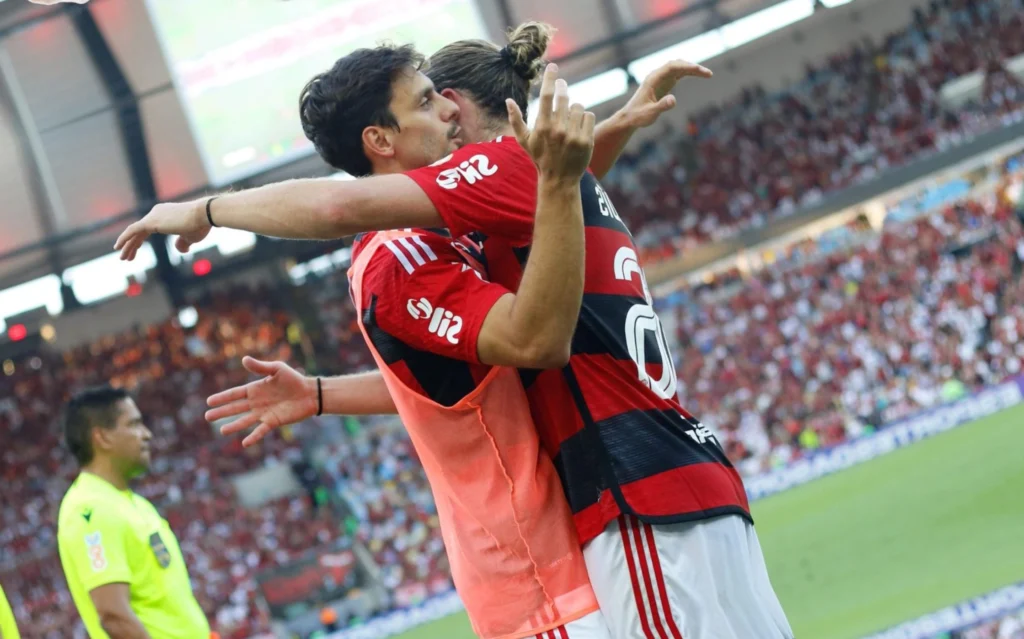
(44, 192)
(613, 17)
(126, 106)
(505, 9)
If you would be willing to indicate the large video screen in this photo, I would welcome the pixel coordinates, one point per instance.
(239, 65)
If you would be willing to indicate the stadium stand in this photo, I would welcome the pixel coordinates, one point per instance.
(873, 107)
(797, 357)
(1009, 627)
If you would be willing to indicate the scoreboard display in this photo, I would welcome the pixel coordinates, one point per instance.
(239, 65)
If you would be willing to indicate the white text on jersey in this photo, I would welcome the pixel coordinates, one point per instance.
(473, 170)
(443, 323)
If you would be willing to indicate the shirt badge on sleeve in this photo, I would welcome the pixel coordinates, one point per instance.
(163, 556)
(97, 556)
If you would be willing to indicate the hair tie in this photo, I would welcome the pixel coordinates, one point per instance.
(506, 55)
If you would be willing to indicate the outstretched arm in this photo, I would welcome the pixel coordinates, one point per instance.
(652, 98)
(305, 209)
(283, 396)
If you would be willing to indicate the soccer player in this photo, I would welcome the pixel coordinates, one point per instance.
(447, 343)
(661, 513)
(8, 627)
(124, 569)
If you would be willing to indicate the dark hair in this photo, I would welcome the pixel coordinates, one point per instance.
(488, 74)
(337, 105)
(92, 407)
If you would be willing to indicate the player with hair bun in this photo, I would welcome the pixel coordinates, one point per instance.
(660, 511)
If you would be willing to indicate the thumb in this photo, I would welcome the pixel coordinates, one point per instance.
(649, 113)
(665, 104)
(182, 244)
(260, 367)
(515, 118)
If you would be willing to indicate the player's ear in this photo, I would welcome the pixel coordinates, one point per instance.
(379, 141)
(102, 438)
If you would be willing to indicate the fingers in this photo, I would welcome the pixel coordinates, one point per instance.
(131, 249)
(515, 118)
(683, 69)
(589, 124)
(230, 395)
(228, 410)
(240, 424)
(547, 94)
(561, 102)
(182, 244)
(575, 118)
(255, 436)
(259, 367)
(127, 237)
(667, 103)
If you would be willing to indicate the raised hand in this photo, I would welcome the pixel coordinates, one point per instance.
(654, 95)
(562, 140)
(187, 220)
(284, 396)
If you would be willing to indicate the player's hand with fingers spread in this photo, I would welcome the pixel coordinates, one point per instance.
(654, 95)
(284, 396)
(562, 140)
(184, 219)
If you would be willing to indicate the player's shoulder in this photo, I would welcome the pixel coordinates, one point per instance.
(85, 506)
(408, 252)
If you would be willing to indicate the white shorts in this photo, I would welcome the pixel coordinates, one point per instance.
(698, 580)
(592, 626)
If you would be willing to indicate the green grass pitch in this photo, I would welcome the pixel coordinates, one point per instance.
(891, 539)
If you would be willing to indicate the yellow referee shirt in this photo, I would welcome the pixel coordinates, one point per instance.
(8, 629)
(106, 536)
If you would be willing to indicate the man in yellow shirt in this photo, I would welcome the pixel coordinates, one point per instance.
(124, 568)
(8, 629)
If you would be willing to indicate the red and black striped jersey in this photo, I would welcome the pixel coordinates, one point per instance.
(610, 419)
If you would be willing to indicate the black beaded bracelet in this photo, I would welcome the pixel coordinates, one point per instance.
(319, 397)
(209, 216)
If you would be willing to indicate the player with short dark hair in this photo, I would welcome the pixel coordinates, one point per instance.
(336, 107)
(124, 569)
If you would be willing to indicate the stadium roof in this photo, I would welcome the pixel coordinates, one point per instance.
(94, 124)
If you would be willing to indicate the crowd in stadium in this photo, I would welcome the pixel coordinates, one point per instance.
(819, 340)
(877, 105)
(824, 346)
(1009, 627)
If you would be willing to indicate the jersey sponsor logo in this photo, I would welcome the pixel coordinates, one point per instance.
(472, 170)
(97, 555)
(163, 556)
(443, 323)
(412, 252)
(605, 204)
(701, 434)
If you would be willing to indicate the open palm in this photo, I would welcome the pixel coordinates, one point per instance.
(284, 396)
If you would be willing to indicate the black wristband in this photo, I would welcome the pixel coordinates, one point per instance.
(319, 398)
(209, 217)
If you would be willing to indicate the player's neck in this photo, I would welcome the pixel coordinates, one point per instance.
(497, 129)
(105, 470)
